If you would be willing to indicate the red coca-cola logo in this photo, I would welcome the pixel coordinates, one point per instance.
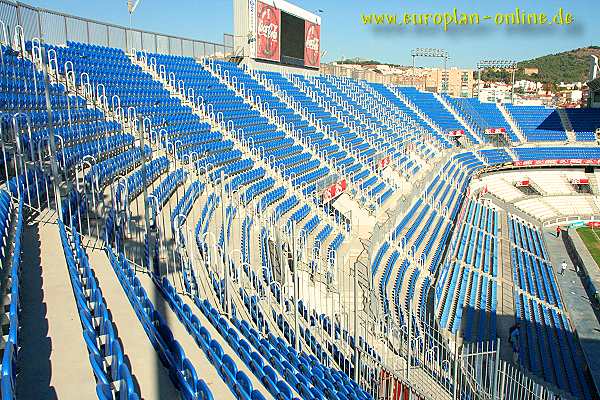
(267, 32)
(312, 44)
(384, 162)
(334, 190)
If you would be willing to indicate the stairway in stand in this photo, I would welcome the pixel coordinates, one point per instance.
(506, 303)
(516, 129)
(566, 123)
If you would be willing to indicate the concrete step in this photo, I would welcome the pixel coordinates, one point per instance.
(506, 303)
(512, 123)
(147, 369)
(53, 358)
(192, 350)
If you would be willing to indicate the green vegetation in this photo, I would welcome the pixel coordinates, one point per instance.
(357, 61)
(568, 66)
(591, 238)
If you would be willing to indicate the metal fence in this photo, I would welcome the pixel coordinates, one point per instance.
(58, 28)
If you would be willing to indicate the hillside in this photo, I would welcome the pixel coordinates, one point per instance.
(568, 66)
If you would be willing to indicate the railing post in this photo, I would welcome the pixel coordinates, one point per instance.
(455, 373)
(496, 370)
(502, 382)
(225, 247)
(409, 340)
(53, 163)
(356, 350)
(295, 283)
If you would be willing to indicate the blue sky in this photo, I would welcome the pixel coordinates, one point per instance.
(343, 33)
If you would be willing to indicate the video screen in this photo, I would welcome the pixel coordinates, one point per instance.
(292, 36)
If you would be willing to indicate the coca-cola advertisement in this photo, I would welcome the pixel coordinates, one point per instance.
(580, 181)
(334, 190)
(567, 161)
(312, 44)
(268, 29)
(495, 131)
(456, 133)
(522, 183)
(384, 162)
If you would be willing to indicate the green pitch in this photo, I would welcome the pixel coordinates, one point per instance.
(591, 238)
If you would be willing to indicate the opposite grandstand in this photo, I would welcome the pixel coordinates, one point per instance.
(180, 223)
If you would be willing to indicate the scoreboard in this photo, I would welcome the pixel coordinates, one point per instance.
(280, 32)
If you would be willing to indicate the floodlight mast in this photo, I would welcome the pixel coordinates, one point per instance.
(431, 53)
(502, 64)
(131, 6)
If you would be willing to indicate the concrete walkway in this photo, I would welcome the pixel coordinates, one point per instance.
(53, 359)
(581, 313)
(196, 355)
(147, 369)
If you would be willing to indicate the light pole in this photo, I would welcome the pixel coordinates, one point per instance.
(432, 53)
(501, 64)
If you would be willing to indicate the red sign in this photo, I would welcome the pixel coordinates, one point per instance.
(384, 162)
(312, 44)
(565, 161)
(334, 190)
(522, 182)
(495, 131)
(268, 27)
(580, 181)
(593, 224)
(458, 132)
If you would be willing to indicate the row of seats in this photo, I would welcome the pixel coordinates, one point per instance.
(185, 204)
(74, 134)
(466, 290)
(435, 110)
(99, 148)
(548, 348)
(11, 226)
(33, 186)
(495, 156)
(339, 155)
(113, 376)
(532, 272)
(423, 218)
(141, 177)
(538, 123)
(411, 117)
(539, 310)
(584, 121)
(181, 370)
(556, 153)
(168, 186)
(482, 116)
(102, 172)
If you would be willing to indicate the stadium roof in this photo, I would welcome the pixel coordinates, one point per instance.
(594, 84)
